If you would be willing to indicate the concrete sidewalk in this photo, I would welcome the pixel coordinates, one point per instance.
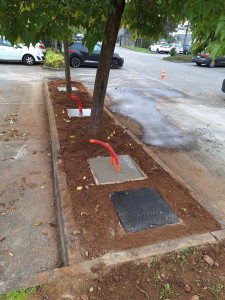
(30, 241)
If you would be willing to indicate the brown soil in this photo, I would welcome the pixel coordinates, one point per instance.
(185, 274)
(90, 209)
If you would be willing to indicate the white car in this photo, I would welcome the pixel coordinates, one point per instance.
(179, 49)
(20, 53)
(160, 47)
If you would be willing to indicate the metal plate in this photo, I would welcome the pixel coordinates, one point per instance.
(63, 88)
(104, 172)
(86, 112)
(142, 209)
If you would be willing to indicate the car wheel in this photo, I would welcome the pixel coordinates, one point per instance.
(28, 60)
(198, 64)
(211, 64)
(150, 49)
(114, 64)
(75, 62)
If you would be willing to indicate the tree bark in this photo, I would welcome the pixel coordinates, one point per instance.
(56, 48)
(105, 59)
(67, 66)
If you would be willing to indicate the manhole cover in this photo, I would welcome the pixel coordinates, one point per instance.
(142, 209)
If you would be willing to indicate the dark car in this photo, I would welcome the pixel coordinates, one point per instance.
(79, 56)
(205, 59)
(187, 49)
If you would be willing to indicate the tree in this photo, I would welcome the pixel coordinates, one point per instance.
(207, 19)
(33, 19)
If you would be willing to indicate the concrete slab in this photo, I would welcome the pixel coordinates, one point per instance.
(104, 172)
(63, 88)
(86, 112)
(219, 235)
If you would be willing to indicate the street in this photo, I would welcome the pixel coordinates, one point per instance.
(180, 118)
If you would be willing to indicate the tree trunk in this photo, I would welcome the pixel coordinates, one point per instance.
(56, 48)
(105, 59)
(52, 45)
(67, 66)
(186, 33)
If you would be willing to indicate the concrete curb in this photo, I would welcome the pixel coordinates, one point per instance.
(53, 69)
(59, 177)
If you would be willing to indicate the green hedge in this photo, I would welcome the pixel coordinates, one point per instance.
(54, 60)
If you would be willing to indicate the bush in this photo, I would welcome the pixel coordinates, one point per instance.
(173, 52)
(54, 60)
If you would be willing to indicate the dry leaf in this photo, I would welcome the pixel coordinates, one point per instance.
(10, 254)
(108, 138)
(72, 136)
(49, 154)
(11, 122)
(3, 158)
(43, 187)
(24, 134)
(56, 115)
(63, 111)
(84, 177)
(37, 224)
(114, 132)
(66, 120)
(1, 134)
(79, 188)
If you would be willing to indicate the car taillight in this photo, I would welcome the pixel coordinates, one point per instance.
(206, 55)
(70, 51)
(42, 47)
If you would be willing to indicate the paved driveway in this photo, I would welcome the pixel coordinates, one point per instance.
(180, 118)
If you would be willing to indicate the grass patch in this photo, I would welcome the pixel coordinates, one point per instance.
(19, 295)
(179, 58)
(54, 60)
(138, 49)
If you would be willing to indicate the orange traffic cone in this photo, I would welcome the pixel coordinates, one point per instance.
(163, 74)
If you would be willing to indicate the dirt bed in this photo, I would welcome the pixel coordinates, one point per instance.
(90, 211)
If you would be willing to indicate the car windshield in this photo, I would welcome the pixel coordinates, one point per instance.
(97, 48)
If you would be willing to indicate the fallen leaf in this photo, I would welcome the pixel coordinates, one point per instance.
(3, 158)
(111, 134)
(43, 187)
(79, 188)
(49, 154)
(24, 134)
(108, 138)
(114, 132)
(84, 177)
(11, 122)
(66, 120)
(37, 224)
(7, 147)
(56, 115)
(72, 136)
(1, 134)
(10, 254)
(45, 176)
(2, 238)
(63, 111)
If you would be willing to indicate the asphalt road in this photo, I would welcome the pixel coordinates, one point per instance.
(180, 118)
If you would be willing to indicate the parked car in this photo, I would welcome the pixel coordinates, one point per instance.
(223, 86)
(205, 59)
(79, 56)
(160, 47)
(187, 49)
(20, 53)
(38, 46)
(178, 48)
(79, 36)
